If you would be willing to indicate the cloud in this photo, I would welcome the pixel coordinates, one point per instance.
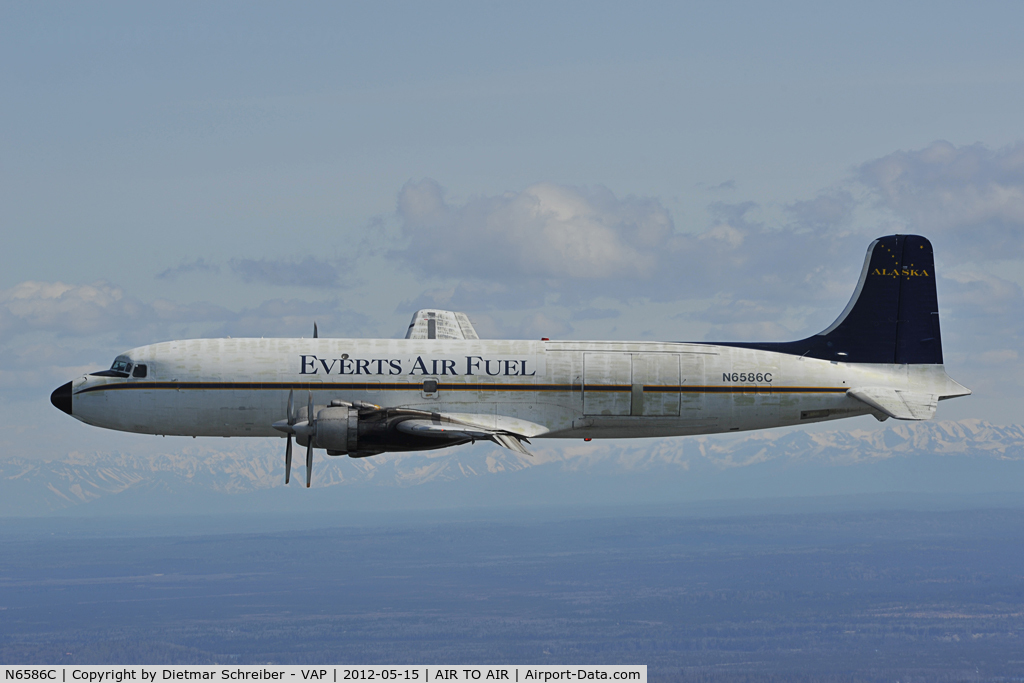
(546, 230)
(309, 272)
(54, 329)
(538, 325)
(200, 265)
(971, 196)
(978, 295)
(829, 210)
(103, 309)
(981, 312)
(745, 320)
(766, 275)
(595, 313)
(295, 318)
(97, 309)
(480, 295)
(68, 309)
(569, 246)
(982, 324)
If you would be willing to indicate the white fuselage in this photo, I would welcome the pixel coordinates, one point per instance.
(240, 387)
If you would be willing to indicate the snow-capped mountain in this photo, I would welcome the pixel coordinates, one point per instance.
(201, 474)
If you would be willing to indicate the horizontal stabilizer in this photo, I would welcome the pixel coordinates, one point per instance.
(902, 405)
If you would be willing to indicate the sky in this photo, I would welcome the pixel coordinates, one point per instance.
(573, 170)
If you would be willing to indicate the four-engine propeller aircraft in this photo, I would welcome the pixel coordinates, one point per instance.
(442, 385)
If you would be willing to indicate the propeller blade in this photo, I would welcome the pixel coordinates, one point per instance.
(288, 460)
(310, 432)
(291, 406)
(309, 463)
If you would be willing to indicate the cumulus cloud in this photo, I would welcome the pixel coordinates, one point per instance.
(103, 309)
(544, 231)
(764, 278)
(980, 295)
(982, 334)
(570, 246)
(972, 197)
(60, 307)
(55, 329)
(981, 312)
(97, 309)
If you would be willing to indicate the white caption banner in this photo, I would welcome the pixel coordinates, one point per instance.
(325, 674)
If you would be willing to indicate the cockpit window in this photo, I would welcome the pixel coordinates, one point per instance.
(120, 368)
(139, 371)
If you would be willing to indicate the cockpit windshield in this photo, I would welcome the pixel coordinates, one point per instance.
(121, 366)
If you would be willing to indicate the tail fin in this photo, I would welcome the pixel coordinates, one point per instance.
(893, 316)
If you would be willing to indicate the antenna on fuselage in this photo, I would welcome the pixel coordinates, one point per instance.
(314, 330)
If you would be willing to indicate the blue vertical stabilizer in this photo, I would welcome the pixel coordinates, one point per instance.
(893, 316)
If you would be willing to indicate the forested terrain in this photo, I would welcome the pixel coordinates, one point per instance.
(855, 596)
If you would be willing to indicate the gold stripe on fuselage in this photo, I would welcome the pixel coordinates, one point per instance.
(418, 386)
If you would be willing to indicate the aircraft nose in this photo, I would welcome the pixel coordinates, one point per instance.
(61, 397)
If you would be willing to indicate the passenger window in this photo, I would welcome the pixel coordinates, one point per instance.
(140, 371)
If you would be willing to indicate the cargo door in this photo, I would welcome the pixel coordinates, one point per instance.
(691, 399)
(607, 383)
(655, 390)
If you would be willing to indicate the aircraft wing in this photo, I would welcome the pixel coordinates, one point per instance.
(435, 428)
(902, 405)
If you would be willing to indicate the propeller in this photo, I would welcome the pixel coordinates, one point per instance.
(306, 429)
(290, 426)
(288, 447)
(309, 440)
(288, 461)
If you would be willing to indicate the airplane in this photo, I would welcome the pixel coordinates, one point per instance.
(442, 386)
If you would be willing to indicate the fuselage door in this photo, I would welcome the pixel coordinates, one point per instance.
(691, 399)
(607, 383)
(655, 384)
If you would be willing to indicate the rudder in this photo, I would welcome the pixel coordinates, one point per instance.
(918, 340)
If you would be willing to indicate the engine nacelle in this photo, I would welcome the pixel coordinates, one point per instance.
(337, 429)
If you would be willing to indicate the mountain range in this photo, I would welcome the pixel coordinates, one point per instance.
(969, 456)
